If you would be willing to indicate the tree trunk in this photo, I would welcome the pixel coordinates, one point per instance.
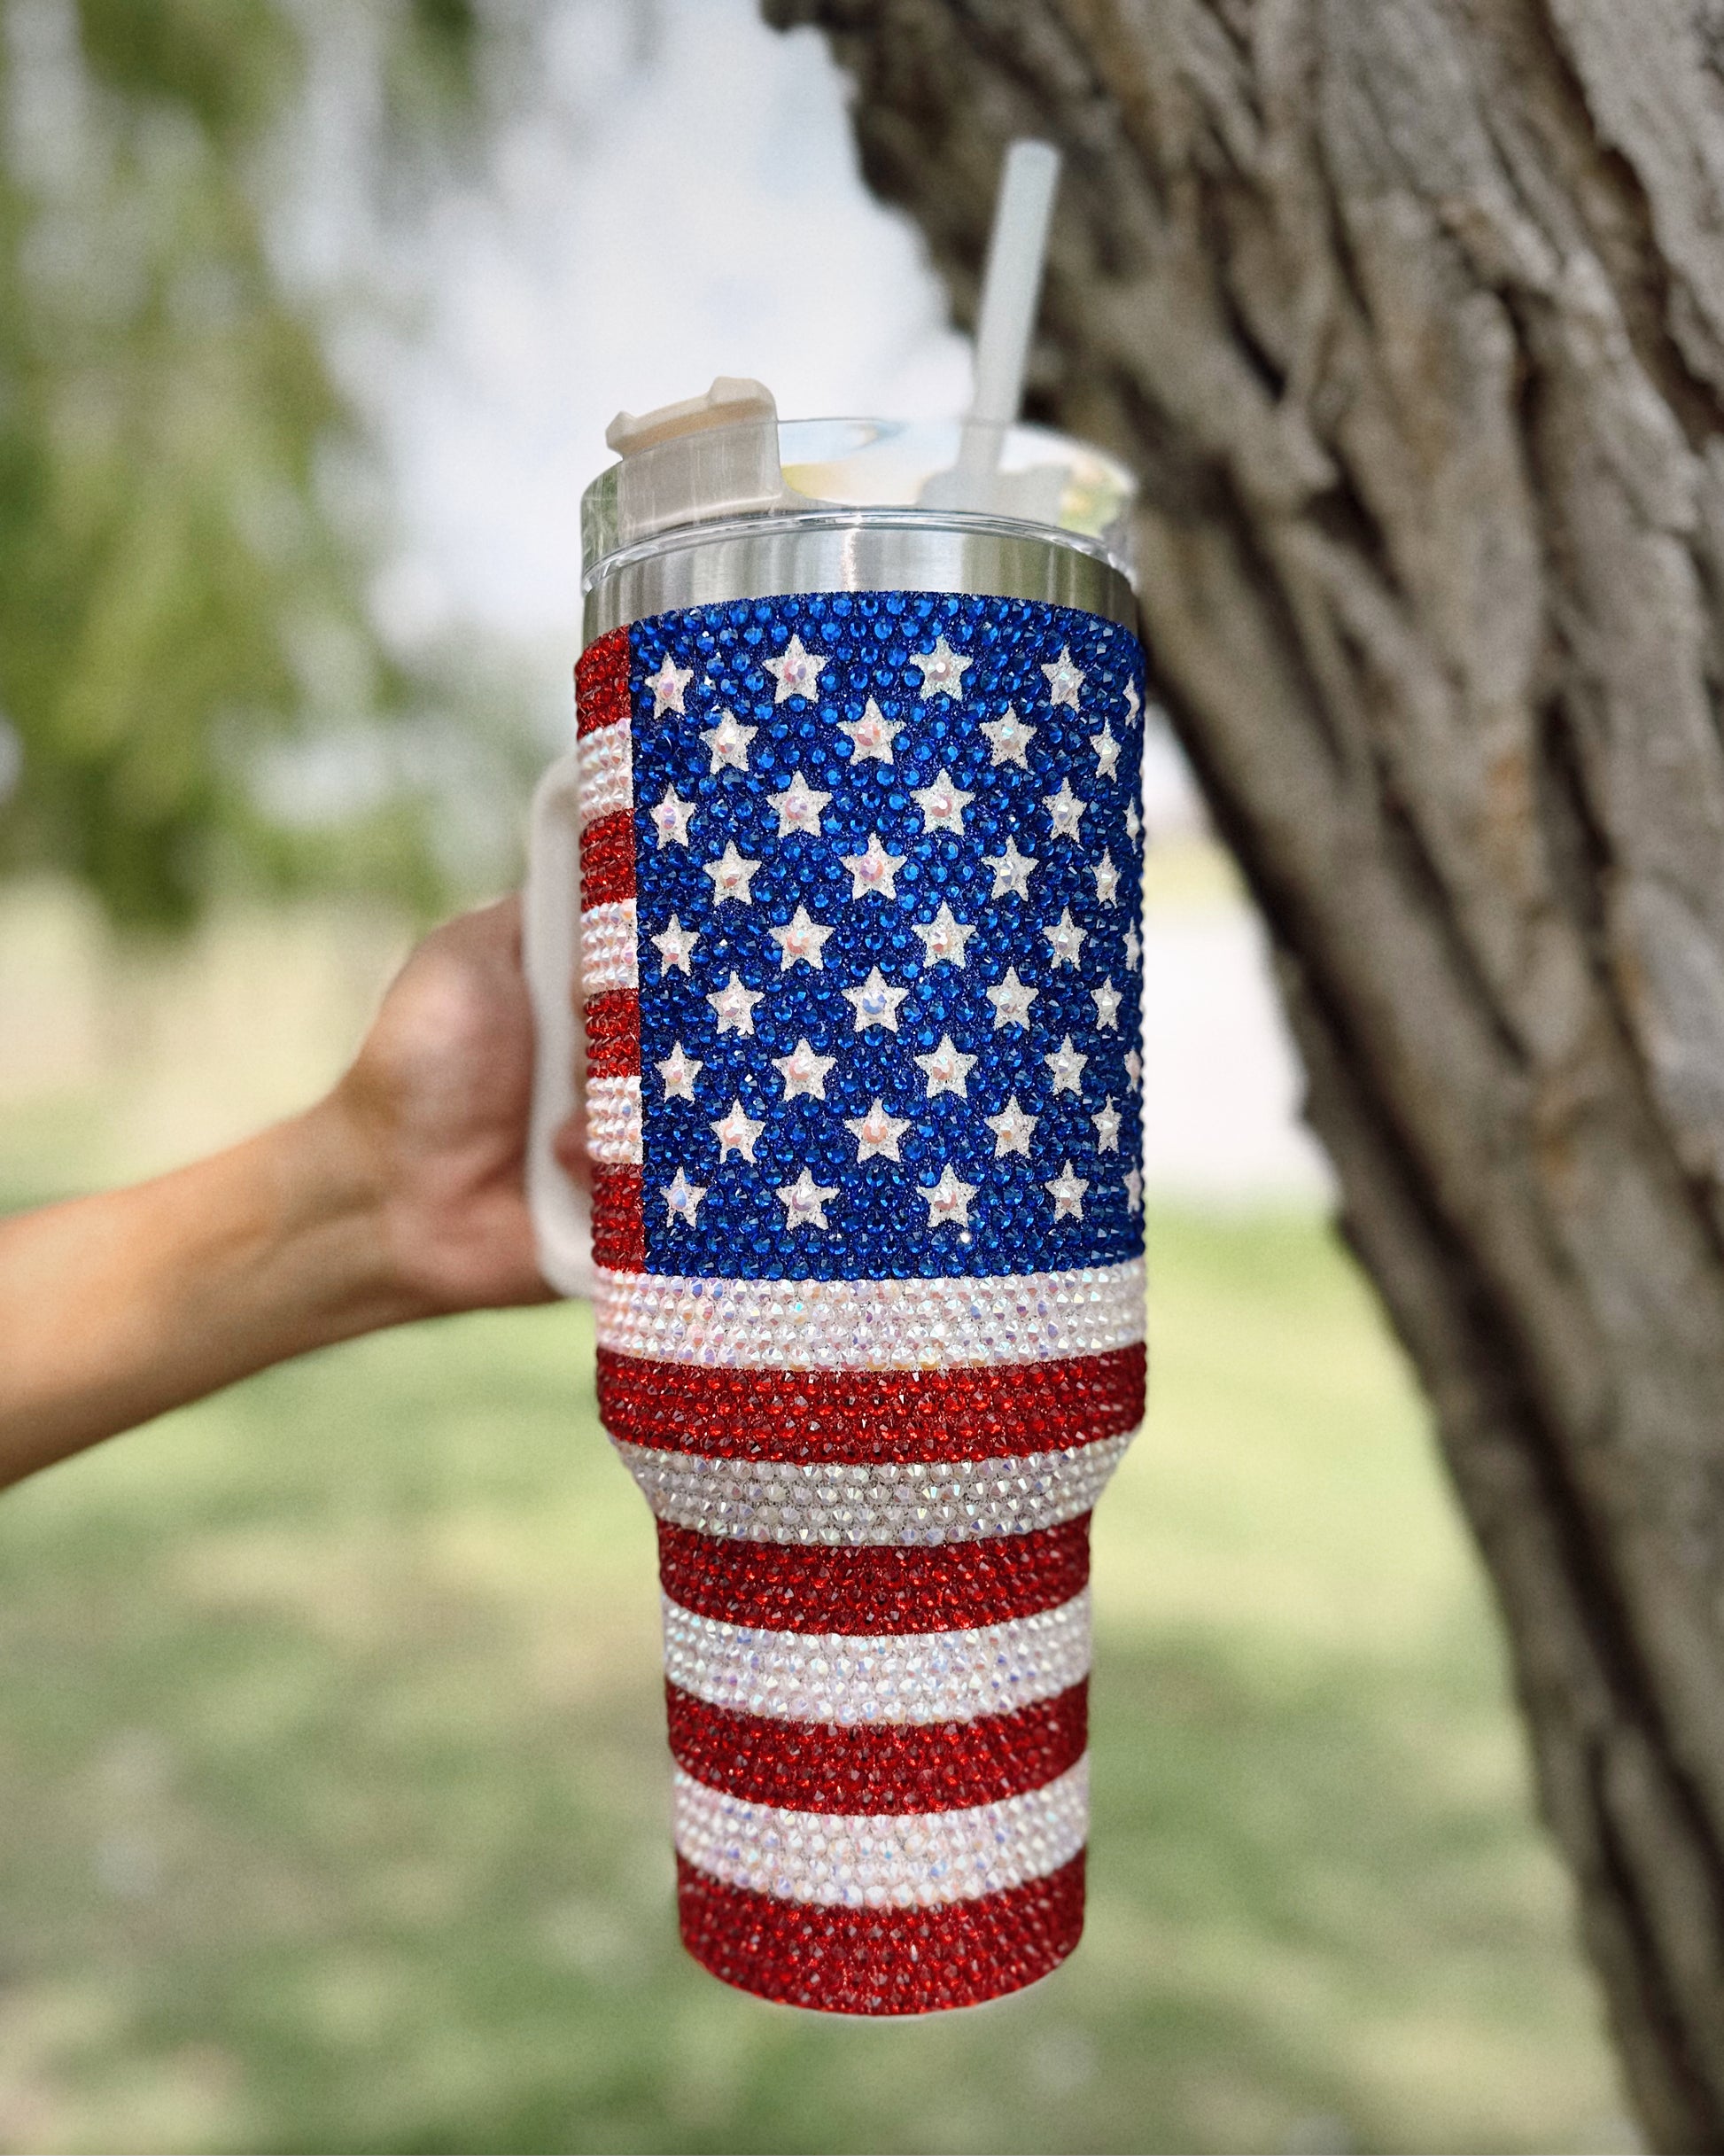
(1410, 315)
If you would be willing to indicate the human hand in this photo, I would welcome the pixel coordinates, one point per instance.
(436, 1107)
(398, 1195)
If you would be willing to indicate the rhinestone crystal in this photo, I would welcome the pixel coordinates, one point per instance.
(904, 1501)
(876, 1861)
(913, 1676)
(877, 1324)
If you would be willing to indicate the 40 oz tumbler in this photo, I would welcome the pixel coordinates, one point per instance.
(834, 928)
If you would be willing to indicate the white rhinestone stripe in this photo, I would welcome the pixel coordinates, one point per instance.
(894, 1677)
(872, 1325)
(607, 947)
(902, 1502)
(607, 782)
(613, 1118)
(916, 1860)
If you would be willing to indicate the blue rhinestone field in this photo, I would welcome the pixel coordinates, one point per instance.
(1067, 1067)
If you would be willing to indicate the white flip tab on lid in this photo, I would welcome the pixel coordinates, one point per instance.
(707, 457)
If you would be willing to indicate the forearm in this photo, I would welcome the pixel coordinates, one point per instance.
(115, 1308)
(399, 1195)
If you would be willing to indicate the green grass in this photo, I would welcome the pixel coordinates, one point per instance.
(335, 1795)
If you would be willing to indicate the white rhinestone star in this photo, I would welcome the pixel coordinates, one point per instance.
(1064, 810)
(801, 943)
(872, 734)
(1066, 939)
(877, 1133)
(1107, 880)
(1013, 1128)
(682, 1198)
(1067, 1191)
(803, 1071)
(1012, 1000)
(730, 876)
(799, 807)
(943, 939)
(673, 943)
(1067, 1065)
(1132, 698)
(1134, 945)
(729, 743)
(667, 686)
(1012, 871)
(875, 1003)
(1008, 737)
(1134, 823)
(941, 671)
(679, 1072)
(942, 804)
(1108, 752)
(1064, 679)
(735, 1005)
(805, 1202)
(947, 1068)
(1107, 1001)
(797, 671)
(670, 819)
(736, 1132)
(948, 1200)
(1134, 1066)
(1107, 1121)
(1134, 1189)
(873, 870)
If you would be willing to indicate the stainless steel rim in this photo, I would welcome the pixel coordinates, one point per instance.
(855, 550)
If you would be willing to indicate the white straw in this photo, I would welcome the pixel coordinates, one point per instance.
(1012, 282)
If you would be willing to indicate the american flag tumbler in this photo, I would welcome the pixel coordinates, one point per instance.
(855, 801)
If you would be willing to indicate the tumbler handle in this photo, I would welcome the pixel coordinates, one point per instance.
(561, 1209)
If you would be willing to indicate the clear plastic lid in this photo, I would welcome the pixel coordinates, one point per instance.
(951, 471)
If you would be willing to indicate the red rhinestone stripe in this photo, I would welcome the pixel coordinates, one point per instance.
(968, 1413)
(618, 1242)
(613, 1034)
(612, 1018)
(601, 683)
(882, 1961)
(879, 1587)
(607, 860)
(890, 1767)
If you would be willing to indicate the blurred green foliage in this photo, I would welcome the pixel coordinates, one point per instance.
(181, 591)
(332, 1760)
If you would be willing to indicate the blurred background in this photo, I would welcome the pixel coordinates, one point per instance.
(331, 1763)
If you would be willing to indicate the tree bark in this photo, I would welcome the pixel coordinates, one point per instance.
(1410, 316)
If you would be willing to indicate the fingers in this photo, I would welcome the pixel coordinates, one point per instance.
(489, 933)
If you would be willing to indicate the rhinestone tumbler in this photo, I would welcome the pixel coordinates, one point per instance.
(854, 810)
